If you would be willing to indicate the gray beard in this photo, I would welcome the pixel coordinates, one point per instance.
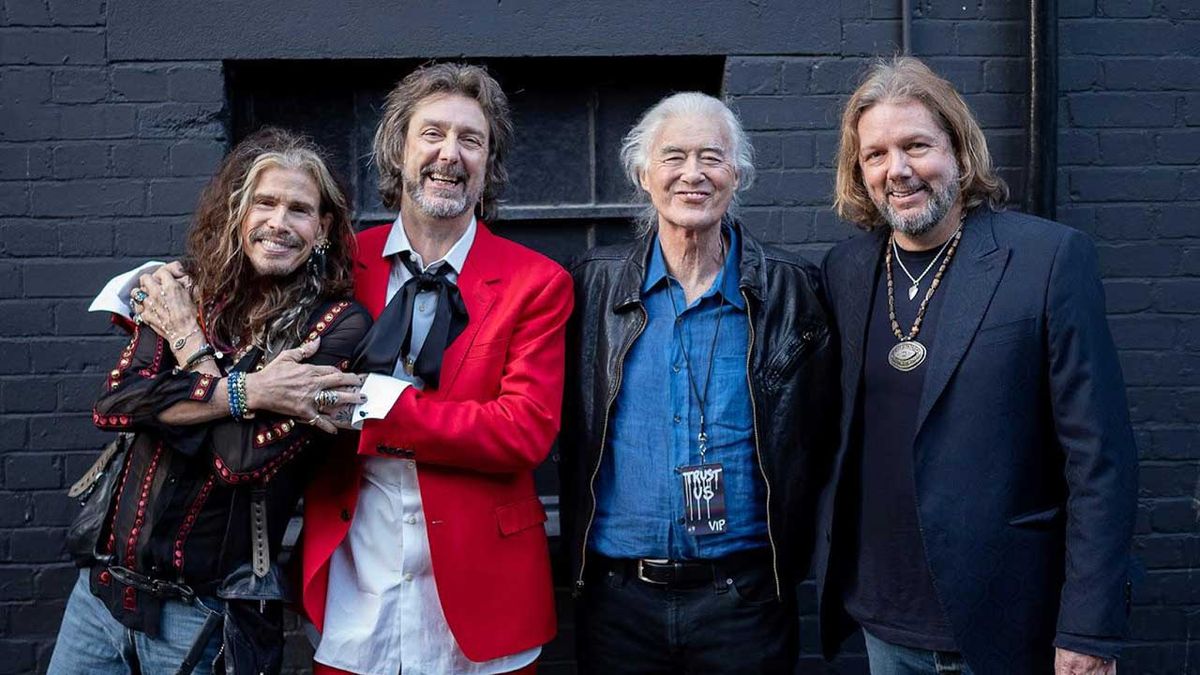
(438, 207)
(936, 208)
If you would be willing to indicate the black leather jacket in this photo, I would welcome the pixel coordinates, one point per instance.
(792, 367)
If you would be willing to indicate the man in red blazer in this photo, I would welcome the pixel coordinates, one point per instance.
(426, 552)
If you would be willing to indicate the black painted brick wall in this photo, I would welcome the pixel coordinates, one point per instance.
(101, 162)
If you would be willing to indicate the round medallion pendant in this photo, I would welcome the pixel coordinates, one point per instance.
(906, 355)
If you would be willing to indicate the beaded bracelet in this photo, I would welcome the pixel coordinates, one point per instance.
(236, 384)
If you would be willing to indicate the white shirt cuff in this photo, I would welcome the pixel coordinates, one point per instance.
(115, 295)
(381, 392)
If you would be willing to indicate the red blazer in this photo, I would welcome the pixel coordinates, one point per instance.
(477, 439)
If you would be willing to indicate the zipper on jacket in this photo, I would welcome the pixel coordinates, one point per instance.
(757, 450)
(612, 398)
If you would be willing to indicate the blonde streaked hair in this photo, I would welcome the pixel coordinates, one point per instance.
(235, 302)
(900, 79)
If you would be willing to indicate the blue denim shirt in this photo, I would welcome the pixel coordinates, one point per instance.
(656, 418)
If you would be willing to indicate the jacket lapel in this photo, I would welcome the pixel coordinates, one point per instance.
(976, 272)
(479, 275)
(859, 271)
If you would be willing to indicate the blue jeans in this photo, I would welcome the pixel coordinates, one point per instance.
(92, 641)
(892, 659)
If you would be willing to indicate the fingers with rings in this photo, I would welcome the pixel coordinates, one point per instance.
(139, 295)
(326, 398)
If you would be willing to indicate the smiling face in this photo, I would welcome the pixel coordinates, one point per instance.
(283, 221)
(445, 155)
(908, 165)
(690, 175)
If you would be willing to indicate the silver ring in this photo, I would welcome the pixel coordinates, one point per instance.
(137, 318)
(325, 398)
(139, 295)
(313, 420)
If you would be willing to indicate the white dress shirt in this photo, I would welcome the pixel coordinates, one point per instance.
(382, 611)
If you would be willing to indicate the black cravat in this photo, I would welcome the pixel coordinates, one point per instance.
(391, 336)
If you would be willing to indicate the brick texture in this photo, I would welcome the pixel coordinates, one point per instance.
(102, 161)
(100, 165)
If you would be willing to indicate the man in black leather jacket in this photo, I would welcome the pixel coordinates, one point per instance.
(699, 417)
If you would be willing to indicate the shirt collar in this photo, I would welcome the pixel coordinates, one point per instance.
(726, 282)
(397, 242)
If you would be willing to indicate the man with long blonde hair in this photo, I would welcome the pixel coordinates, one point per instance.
(983, 494)
(232, 372)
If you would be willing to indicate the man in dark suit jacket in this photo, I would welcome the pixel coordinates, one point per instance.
(983, 496)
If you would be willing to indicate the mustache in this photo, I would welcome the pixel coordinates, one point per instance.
(452, 170)
(282, 236)
(907, 187)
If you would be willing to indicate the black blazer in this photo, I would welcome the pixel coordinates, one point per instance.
(1024, 460)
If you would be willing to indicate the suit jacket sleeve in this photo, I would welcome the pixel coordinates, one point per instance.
(1091, 422)
(511, 432)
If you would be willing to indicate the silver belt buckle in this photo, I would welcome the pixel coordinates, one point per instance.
(641, 570)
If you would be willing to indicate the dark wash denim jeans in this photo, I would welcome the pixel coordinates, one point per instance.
(733, 625)
(891, 659)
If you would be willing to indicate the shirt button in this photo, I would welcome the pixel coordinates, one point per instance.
(677, 419)
(411, 464)
(421, 307)
(408, 576)
(675, 367)
(411, 520)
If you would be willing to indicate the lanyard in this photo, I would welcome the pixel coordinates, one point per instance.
(701, 395)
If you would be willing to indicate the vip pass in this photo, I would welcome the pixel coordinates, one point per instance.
(910, 353)
(236, 383)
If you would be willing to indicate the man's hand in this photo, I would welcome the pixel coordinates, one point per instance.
(343, 416)
(1067, 662)
(289, 387)
(163, 302)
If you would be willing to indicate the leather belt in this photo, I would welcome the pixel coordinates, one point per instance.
(260, 553)
(159, 588)
(683, 573)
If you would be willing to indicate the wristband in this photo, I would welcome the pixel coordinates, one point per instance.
(204, 350)
(236, 387)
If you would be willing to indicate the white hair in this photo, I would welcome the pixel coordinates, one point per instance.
(635, 147)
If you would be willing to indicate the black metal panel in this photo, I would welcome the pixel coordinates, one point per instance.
(570, 115)
(386, 29)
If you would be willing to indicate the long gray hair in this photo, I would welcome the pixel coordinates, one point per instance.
(636, 146)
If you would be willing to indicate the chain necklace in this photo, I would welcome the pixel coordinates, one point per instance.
(910, 353)
(912, 290)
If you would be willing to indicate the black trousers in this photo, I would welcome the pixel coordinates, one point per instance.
(735, 624)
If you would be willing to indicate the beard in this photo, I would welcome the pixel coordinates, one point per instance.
(436, 206)
(941, 198)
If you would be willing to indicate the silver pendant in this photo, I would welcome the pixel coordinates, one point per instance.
(912, 291)
(906, 355)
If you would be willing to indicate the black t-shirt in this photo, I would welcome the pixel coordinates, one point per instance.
(891, 592)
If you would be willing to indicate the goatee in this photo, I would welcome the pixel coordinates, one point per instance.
(941, 199)
(437, 206)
